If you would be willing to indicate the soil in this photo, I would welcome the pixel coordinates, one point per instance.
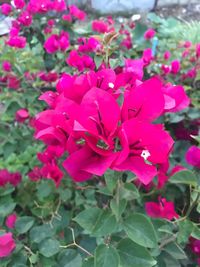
(185, 13)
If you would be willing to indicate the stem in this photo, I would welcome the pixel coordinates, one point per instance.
(74, 244)
(193, 205)
(167, 241)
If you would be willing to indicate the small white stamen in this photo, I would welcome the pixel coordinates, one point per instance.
(111, 85)
(27, 17)
(145, 154)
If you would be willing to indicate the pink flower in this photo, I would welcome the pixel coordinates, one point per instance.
(162, 209)
(7, 177)
(175, 66)
(19, 4)
(80, 62)
(6, 9)
(13, 82)
(147, 56)
(35, 174)
(134, 66)
(198, 50)
(100, 26)
(59, 5)
(195, 245)
(48, 77)
(77, 13)
(17, 41)
(7, 245)
(193, 156)
(175, 98)
(57, 42)
(88, 45)
(25, 18)
(10, 220)
(67, 17)
(167, 55)
(51, 171)
(149, 34)
(39, 6)
(21, 115)
(6, 66)
(176, 169)
(165, 69)
(187, 44)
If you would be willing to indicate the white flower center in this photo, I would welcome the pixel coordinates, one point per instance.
(145, 154)
(111, 85)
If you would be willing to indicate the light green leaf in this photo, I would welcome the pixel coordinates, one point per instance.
(184, 177)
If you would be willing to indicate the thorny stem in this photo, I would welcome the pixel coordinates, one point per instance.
(74, 244)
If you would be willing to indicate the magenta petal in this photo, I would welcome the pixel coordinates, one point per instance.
(144, 172)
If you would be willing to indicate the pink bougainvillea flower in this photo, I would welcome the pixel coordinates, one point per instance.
(149, 34)
(57, 42)
(195, 245)
(25, 18)
(80, 62)
(39, 6)
(10, 220)
(52, 171)
(167, 55)
(187, 44)
(135, 66)
(198, 50)
(193, 156)
(88, 45)
(77, 13)
(21, 115)
(67, 17)
(163, 209)
(149, 145)
(59, 5)
(6, 9)
(165, 69)
(175, 66)
(17, 41)
(176, 169)
(35, 174)
(147, 56)
(19, 4)
(6, 66)
(7, 245)
(175, 98)
(50, 154)
(100, 26)
(49, 97)
(140, 101)
(48, 77)
(13, 82)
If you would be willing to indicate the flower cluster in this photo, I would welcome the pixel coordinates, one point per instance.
(106, 120)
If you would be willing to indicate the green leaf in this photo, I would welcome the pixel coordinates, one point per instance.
(111, 179)
(184, 177)
(98, 60)
(196, 232)
(96, 221)
(185, 230)
(23, 224)
(49, 247)
(133, 255)
(106, 256)
(129, 192)
(118, 207)
(88, 262)
(175, 251)
(69, 258)
(140, 229)
(39, 233)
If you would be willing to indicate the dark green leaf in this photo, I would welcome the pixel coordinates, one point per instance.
(49, 247)
(140, 229)
(184, 177)
(106, 256)
(23, 224)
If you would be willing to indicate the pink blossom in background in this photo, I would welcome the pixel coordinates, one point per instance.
(81, 62)
(57, 42)
(10, 220)
(67, 17)
(77, 13)
(175, 66)
(25, 18)
(187, 44)
(147, 56)
(21, 115)
(6, 9)
(167, 55)
(163, 209)
(198, 50)
(8, 177)
(193, 156)
(13, 82)
(48, 77)
(7, 244)
(6, 66)
(19, 4)
(17, 41)
(100, 26)
(52, 171)
(134, 66)
(165, 69)
(149, 34)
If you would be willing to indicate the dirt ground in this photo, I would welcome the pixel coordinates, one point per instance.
(186, 13)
